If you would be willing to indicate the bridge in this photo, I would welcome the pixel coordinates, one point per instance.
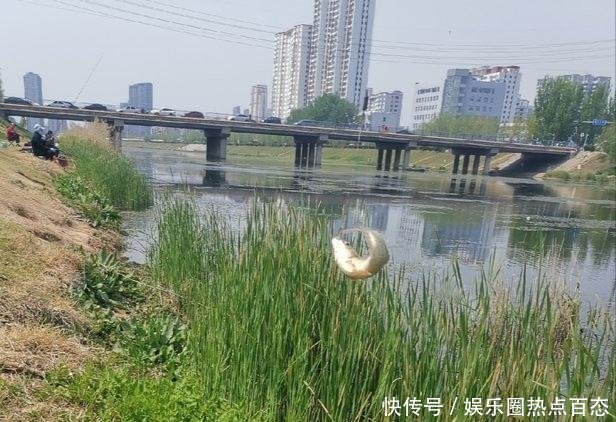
(393, 149)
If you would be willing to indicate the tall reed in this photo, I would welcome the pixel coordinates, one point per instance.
(112, 174)
(274, 326)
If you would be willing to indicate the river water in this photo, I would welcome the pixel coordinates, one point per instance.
(428, 219)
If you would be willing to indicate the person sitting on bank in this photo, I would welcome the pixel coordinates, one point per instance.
(12, 135)
(50, 140)
(40, 147)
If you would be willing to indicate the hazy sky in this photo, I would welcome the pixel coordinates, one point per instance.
(95, 57)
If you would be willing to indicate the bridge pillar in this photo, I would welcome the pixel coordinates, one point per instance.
(476, 164)
(456, 164)
(116, 128)
(387, 159)
(465, 163)
(379, 158)
(216, 144)
(397, 154)
(406, 159)
(487, 165)
(4, 115)
(318, 154)
(309, 150)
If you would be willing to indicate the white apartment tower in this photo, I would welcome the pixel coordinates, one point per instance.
(258, 102)
(512, 77)
(291, 55)
(384, 111)
(427, 102)
(340, 49)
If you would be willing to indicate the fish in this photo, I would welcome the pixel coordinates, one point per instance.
(360, 267)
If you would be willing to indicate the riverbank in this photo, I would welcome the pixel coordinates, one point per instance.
(42, 244)
(584, 166)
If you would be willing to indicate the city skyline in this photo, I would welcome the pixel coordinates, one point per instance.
(220, 87)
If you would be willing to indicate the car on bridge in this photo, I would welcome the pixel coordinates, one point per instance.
(272, 120)
(62, 104)
(194, 115)
(96, 107)
(17, 100)
(163, 112)
(130, 109)
(312, 123)
(240, 118)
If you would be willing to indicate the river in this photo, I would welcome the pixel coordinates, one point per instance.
(428, 219)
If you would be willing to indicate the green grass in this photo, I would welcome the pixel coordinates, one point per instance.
(275, 328)
(110, 173)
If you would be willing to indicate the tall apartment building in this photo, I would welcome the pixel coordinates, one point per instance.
(258, 102)
(523, 110)
(466, 95)
(140, 95)
(587, 82)
(237, 110)
(291, 60)
(340, 49)
(384, 111)
(511, 77)
(33, 91)
(427, 102)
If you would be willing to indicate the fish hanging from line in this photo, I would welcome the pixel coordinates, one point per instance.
(360, 267)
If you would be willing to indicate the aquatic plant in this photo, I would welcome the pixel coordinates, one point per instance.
(110, 173)
(275, 327)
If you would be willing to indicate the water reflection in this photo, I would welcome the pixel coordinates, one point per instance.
(428, 219)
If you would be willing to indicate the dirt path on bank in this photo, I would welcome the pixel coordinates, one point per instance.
(41, 249)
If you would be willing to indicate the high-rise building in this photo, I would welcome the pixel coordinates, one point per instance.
(523, 110)
(427, 102)
(258, 102)
(384, 111)
(511, 77)
(340, 49)
(140, 95)
(466, 95)
(587, 82)
(237, 110)
(33, 91)
(291, 60)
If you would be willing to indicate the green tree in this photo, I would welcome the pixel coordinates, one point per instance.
(607, 141)
(328, 108)
(451, 125)
(557, 107)
(595, 106)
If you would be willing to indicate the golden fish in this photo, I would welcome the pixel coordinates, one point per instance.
(360, 267)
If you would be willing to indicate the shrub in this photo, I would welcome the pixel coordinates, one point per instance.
(107, 283)
(94, 206)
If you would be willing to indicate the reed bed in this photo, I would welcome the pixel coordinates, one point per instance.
(109, 172)
(274, 327)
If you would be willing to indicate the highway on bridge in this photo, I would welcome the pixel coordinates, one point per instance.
(309, 140)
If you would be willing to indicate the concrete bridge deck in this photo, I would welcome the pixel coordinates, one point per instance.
(393, 150)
